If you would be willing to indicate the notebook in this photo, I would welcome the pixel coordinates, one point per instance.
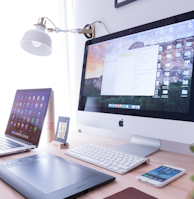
(130, 193)
(26, 120)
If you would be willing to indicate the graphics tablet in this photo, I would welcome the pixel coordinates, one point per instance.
(48, 176)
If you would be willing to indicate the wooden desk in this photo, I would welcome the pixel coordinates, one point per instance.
(178, 189)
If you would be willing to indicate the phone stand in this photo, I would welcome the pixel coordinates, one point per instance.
(59, 145)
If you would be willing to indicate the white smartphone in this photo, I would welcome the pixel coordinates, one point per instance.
(161, 176)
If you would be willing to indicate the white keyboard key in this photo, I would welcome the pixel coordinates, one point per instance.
(122, 170)
(89, 159)
(115, 168)
(107, 158)
(133, 164)
(122, 166)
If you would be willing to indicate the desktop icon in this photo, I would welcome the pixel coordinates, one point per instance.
(189, 44)
(37, 120)
(35, 128)
(168, 56)
(16, 104)
(24, 118)
(26, 127)
(162, 31)
(22, 97)
(14, 123)
(39, 114)
(18, 111)
(13, 116)
(188, 53)
(169, 47)
(18, 124)
(20, 104)
(22, 125)
(36, 105)
(30, 111)
(170, 29)
(43, 98)
(18, 97)
(187, 62)
(14, 110)
(32, 105)
(11, 123)
(28, 119)
(24, 104)
(26, 97)
(25, 112)
(190, 25)
(38, 97)
(29, 98)
(32, 120)
(33, 97)
(28, 104)
(41, 105)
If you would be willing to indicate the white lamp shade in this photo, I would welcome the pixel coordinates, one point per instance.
(37, 42)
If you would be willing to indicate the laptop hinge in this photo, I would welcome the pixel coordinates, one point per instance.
(17, 139)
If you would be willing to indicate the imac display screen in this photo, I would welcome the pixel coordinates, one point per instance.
(146, 70)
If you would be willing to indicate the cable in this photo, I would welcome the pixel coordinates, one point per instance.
(102, 23)
(50, 21)
(74, 30)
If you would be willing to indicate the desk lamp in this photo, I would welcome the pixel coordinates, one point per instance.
(37, 42)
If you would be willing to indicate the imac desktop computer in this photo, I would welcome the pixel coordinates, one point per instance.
(140, 81)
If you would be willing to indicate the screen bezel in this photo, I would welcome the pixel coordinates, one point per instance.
(27, 91)
(145, 113)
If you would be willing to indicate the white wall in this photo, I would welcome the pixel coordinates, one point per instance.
(130, 15)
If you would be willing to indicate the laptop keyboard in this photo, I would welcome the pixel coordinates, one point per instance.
(8, 144)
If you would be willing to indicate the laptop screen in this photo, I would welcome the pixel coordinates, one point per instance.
(28, 113)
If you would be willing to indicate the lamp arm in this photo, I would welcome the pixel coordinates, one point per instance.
(57, 30)
(74, 30)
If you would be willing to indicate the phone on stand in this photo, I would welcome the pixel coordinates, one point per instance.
(161, 176)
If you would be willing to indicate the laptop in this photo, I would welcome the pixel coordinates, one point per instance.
(25, 121)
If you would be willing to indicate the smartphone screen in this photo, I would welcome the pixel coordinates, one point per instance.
(161, 173)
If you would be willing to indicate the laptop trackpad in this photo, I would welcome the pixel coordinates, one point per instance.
(50, 174)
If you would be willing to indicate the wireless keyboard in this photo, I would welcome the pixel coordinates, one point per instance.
(110, 159)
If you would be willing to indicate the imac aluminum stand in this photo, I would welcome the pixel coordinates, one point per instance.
(140, 146)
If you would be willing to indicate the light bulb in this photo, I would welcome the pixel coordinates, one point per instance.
(36, 44)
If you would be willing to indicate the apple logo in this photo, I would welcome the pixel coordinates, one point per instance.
(121, 123)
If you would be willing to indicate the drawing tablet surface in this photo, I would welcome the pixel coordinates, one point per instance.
(49, 176)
